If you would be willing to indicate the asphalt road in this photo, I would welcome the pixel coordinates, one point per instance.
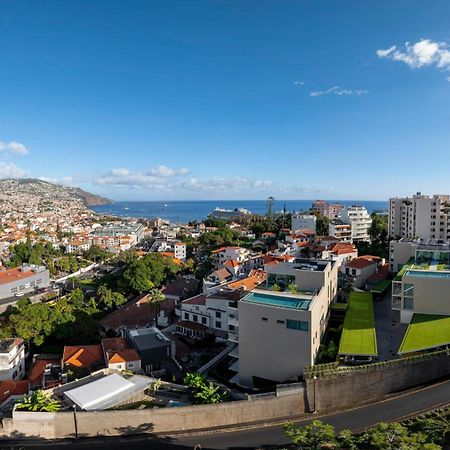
(412, 403)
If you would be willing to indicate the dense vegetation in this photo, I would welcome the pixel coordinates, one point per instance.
(427, 432)
(204, 391)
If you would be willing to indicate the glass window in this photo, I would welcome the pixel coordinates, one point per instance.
(195, 317)
(231, 328)
(186, 316)
(409, 303)
(297, 325)
(204, 320)
(408, 290)
(218, 324)
(218, 314)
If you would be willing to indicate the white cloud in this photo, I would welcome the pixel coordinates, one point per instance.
(157, 177)
(299, 83)
(164, 171)
(336, 90)
(233, 184)
(14, 147)
(10, 170)
(421, 54)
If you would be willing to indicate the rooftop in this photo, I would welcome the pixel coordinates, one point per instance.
(10, 275)
(358, 335)
(280, 300)
(425, 332)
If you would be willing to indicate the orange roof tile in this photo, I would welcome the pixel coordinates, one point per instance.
(7, 276)
(121, 356)
(82, 356)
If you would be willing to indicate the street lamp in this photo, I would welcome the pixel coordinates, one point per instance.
(314, 388)
(75, 420)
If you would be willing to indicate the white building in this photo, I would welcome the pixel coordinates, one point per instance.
(280, 330)
(340, 230)
(23, 280)
(179, 249)
(12, 359)
(420, 216)
(303, 222)
(360, 221)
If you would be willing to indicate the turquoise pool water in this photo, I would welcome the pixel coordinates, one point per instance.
(431, 274)
(275, 300)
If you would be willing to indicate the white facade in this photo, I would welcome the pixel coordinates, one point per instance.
(179, 249)
(360, 220)
(341, 231)
(12, 359)
(280, 332)
(303, 222)
(420, 217)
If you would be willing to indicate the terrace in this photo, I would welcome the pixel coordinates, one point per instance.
(280, 300)
(358, 335)
(426, 332)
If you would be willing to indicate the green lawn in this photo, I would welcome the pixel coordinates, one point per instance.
(358, 336)
(381, 286)
(424, 332)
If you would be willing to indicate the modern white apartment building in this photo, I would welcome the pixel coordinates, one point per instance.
(12, 359)
(179, 249)
(301, 221)
(420, 216)
(23, 280)
(340, 230)
(360, 221)
(280, 330)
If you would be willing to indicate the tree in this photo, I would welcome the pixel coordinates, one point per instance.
(202, 390)
(76, 298)
(322, 224)
(39, 401)
(137, 276)
(316, 436)
(155, 299)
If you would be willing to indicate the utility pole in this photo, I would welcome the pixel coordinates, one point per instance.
(75, 420)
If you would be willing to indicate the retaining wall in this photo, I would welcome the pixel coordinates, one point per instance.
(164, 420)
(371, 383)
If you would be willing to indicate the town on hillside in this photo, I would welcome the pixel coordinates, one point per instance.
(101, 313)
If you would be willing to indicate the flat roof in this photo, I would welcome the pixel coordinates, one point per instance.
(280, 300)
(426, 331)
(381, 286)
(427, 273)
(10, 275)
(358, 335)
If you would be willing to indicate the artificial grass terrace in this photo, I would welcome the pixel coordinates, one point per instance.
(381, 286)
(426, 331)
(358, 334)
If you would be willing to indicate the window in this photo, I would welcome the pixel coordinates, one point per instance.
(218, 314)
(195, 317)
(218, 324)
(408, 290)
(204, 320)
(130, 365)
(297, 325)
(264, 319)
(119, 366)
(280, 321)
(231, 328)
(186, 316)
(408, 303)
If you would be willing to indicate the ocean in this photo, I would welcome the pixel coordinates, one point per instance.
(186, 211)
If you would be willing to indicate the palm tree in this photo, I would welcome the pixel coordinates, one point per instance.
(155, 299)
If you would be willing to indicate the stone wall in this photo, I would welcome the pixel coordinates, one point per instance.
(371, 383)
(190, 418)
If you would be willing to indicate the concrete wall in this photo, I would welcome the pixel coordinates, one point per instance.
(164, 420)
(364, 386)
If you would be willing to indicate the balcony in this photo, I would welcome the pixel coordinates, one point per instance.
(233, 336)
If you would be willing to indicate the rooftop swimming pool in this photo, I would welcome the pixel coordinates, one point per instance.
(278, 300)
(427, 273)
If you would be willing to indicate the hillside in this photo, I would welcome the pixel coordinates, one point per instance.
(30, 192)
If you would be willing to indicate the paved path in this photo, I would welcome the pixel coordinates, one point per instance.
(393, 409)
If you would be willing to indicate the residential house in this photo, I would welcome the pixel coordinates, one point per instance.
(88, 357)
(119, 355)
(12, 359)
(360, 269)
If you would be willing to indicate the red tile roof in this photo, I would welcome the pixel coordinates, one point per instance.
(363, 261)
(84, 356)
(126, 355)
(37, 369)
(254, 279)
(10, 275)
(10, 387)
(342, 248)
(197, 300)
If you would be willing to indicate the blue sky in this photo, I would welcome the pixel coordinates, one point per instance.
(227, 99)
